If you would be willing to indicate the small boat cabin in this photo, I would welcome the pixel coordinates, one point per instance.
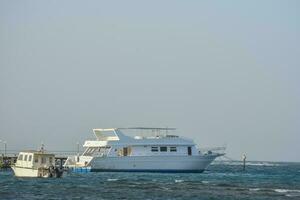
(35, 159)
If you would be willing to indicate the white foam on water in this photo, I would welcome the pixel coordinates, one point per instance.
(254, 189)
(286, 191)
(267, 164)
(205, 182)
(281, 190)
(178, 181)
(112, 179)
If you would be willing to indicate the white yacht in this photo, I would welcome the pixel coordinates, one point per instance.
(160, 151)
(36, 164)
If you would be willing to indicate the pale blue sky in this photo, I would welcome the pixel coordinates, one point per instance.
(219, 71)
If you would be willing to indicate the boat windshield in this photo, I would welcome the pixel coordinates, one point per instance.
(96, 151)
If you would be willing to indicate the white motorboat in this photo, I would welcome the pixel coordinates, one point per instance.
(36, 164)
(158, 152)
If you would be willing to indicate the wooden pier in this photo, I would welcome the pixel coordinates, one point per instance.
(7, 161)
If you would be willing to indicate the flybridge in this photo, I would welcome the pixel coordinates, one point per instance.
(113, 134)
(149, 128)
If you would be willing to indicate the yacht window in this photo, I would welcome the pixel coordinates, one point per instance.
(154, 149)
(173, 149)
(36, 159)
(20, 157)
(189, 151)
(25, 158)
(89, 151)
(50, 160)
(29, 158)
(43, 160)
(163, 149)
(125, 151)
(92, 150)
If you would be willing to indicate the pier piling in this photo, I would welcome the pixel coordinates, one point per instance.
(244, 162)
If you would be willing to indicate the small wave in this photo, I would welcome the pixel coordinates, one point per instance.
(254, 189)
(112, 179)
(292, 195)
(205, 182)
(289, 195)
(266, 164)
(286, 191)
(165, 188)
(178, 181)
(263, 164)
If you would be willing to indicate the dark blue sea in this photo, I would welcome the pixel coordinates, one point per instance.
(261, 180)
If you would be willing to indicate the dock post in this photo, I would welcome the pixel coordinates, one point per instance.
(61, 163)
(77, 158)
(244, 162)
(77, 148)
(5, 147)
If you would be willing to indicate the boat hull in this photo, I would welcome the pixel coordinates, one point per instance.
(25, 172)
(30, 172)
(152, 163)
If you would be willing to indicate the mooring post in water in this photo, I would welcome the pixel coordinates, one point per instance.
(244, 162)
(61, 163)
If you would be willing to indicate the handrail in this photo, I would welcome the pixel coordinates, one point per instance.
(65, 153)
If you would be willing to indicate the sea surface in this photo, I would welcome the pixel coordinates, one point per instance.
(261, 180)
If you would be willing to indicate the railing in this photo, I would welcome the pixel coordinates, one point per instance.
(66, 153)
